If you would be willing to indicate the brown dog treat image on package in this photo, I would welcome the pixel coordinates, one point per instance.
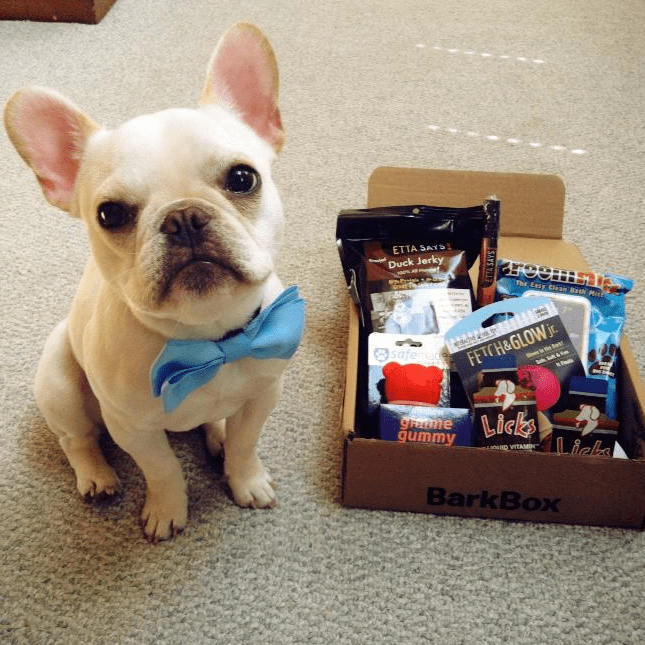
(505, 412)
(584, 428)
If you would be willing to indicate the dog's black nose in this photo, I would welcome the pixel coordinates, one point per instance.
(185, 227)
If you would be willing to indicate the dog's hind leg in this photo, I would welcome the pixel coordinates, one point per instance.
(72, 412)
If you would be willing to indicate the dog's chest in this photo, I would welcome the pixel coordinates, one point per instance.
(235, 385)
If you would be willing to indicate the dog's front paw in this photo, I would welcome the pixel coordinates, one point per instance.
(164, 516)
(98, 483)
(256, 491)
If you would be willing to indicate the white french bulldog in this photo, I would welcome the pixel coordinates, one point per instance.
(184, 223)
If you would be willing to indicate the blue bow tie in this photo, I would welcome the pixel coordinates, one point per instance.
(185, 365)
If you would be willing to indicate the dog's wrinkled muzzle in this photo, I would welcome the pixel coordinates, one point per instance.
(204, 247)
(185, 226)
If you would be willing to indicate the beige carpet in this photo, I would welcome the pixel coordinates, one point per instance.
(522, 86)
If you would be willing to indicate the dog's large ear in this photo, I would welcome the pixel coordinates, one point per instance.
(50, 133)
(243, 75)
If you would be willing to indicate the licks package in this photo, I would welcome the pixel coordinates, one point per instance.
(516, 362)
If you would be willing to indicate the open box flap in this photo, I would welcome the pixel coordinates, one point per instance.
(532, 205)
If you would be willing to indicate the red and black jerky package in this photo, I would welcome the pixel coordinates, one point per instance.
(406, 268)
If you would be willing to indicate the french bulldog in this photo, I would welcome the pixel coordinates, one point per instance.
(184, 223)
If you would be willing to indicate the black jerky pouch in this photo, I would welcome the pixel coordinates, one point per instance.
(405, 248)
(406, 268)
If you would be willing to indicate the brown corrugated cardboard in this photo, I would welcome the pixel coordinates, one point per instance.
(487, 483)
(83, 11)
(537, 200)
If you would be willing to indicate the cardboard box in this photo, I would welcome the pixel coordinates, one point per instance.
(488, 483)
(84, 11)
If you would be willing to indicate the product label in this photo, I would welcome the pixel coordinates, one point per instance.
(421, 424)
(408, 369)
(529, 329)
(584, 432)
(424, 262)
(416, 290)
(541, 274)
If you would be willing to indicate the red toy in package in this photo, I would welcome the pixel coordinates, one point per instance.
(412, 384)
(408, 370)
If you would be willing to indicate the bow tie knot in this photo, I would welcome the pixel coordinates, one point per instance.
(185, 365)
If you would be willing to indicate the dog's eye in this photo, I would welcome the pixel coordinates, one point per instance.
(113, 215)
(242, 180)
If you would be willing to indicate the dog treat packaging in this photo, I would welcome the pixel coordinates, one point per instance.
(406, 268)
(487, 279)
(425, 424)
(406, 265)
(584, 428)
(591, 305)
(530, 335)
(505, 410)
